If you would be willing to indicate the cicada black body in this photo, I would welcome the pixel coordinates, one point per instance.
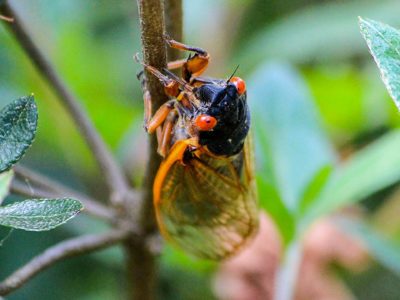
(204, 191)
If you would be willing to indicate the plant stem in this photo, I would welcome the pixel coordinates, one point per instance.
(173, 24)
(288, 272)
(142, 270)
(114, 175)
(142, 267)
(23, 189)
(44, 187)
(65, 249)
(151, 14)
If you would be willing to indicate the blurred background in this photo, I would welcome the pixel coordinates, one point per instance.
(318, 102)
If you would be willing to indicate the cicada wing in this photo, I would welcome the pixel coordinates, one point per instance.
(208, 206)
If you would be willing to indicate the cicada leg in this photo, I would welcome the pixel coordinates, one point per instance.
(171, 87)
(193, 66)
(176, 64)
(160, 116)
(162, 122)
(165, 138)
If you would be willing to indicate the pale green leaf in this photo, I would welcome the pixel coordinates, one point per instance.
(315, 187)
(18, 122)
(5, 181)
(292, 146)
(271, 201)
(328, 33)
(368, 171)
(384, 44)
(324, 31)
(39, 214)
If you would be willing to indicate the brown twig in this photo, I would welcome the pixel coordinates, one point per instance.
(65, 249)
(23, 189)
(113, 174)
(46, 187)
(173, 25)
(151, 14)
(141, 262)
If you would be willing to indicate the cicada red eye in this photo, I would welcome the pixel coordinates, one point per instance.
(240, 84)
(205, 122)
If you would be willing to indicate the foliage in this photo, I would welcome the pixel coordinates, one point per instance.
(18, 123)
(5, 181)
(311, 112)
(384, 43)
(39, 214)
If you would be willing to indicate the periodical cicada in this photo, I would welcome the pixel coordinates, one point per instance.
(204, 191)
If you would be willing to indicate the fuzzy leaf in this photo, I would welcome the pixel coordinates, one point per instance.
(384, 44)
(18, 123)
(39, 214)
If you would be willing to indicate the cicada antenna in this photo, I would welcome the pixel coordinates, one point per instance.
(233, 74)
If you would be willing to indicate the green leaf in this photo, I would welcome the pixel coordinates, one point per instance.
(335, 19)
(18, 122)
(271, 201)
(39, 214)
(368, 171)
(384, 250)
(315, 187)
(384, 44)
(292, 146)
(5, 181)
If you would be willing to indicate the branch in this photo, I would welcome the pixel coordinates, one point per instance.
(65, 249)
(173, 24)
(114, 176)
(141, 263)
(151, 14)
(45, 187)
(25, 190)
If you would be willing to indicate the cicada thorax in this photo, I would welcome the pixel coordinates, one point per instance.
(207, 205)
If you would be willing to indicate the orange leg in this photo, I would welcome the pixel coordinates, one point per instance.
(171, 87)
(176, 64)
(160, 116)
(195, 65)
(165, 138)
(147, 108)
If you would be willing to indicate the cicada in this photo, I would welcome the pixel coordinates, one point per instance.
(204, 191)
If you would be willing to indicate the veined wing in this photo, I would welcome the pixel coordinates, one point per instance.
(208, 206)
